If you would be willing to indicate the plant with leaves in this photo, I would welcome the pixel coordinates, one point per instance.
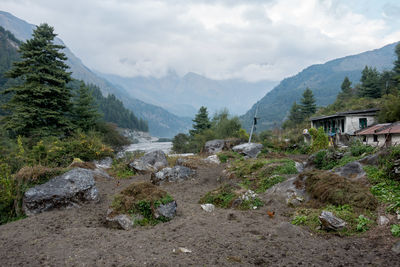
(396, 67)
(40, 106)
(201, 122)
(347, 91)
(308, 106)
(370, 83)
(85, 110)
(390, 108)
(319, 139)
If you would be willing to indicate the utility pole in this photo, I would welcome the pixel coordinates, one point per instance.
(254, 123)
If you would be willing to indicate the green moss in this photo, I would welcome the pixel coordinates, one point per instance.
(268, 182)
(221, 197)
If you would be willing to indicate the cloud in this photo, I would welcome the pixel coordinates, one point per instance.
(221, 39)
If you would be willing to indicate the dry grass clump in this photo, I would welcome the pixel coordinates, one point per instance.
(84, 165)
(37, 174)
(330, 188)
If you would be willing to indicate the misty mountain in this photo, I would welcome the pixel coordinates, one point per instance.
(323, 79)
(161, 122)
(185, 95)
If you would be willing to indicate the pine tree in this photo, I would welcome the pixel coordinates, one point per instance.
(85, 111)
(295, 115)
(308, 106)
(370, 83)
(396, 67)
(201, 122)
(40, 106)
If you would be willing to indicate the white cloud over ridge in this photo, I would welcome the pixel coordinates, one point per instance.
(251, 40)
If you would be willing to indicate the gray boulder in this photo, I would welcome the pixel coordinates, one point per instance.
(120, 221)
(331, 222)
(291, 192)
(352, 170)
(150, 162)
(370, 160)
(177, 173)
(214, 146)
(67, 190)
(248, 149)
(103, 163)
(166, 210)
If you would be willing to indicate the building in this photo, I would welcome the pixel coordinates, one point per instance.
(341, 126)
(385, 134)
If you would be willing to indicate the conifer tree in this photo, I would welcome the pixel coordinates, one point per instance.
(396, 67)
(41, 105)
(295, 114)
(308, 106)
(201, 122)
(370, 83)
(85, 111)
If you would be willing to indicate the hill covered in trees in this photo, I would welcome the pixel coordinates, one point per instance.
(323, 79)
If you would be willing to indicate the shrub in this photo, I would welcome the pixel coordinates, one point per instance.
(8, 192)
(357, 149)
(362, 223)
(319, 139)
(299, 220)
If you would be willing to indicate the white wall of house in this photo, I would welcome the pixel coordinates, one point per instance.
(381, 140)
(352, 123)
(396, 139)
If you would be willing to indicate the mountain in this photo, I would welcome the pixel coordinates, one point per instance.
(185, 95)
(323, 79)
(161, 122)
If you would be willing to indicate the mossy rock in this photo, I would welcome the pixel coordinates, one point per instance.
(145, 201)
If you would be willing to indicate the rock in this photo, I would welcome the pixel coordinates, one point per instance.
(102, 173)
(166, 210)
(67, 190)
(212, 159)
(120, 221)
(151, 161)
(352, 170)
(103, 163)
(177, 173)
(396, 247)
(214, 146)
(208, 207)
(292, 192)
(382, 220)
(299, 166)
(248, 149)
(370, 160)
(331, 222)
(182, 250)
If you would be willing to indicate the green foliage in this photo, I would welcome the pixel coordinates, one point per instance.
(395, 229)
(201, 122)
(346, 88)
(221, 197)
(7, 194)
(299, 220)
(269, 182)
(308, 106)
(370, 83)
(180, 143)
(385, 189)
(41, 105)
(357, 148)
(319, 139)
(111, 136)
(390, 108)
(85, 111)
(120, 166)
(225, 156)
(362, 223)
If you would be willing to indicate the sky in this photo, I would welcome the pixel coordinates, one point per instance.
(220, 39)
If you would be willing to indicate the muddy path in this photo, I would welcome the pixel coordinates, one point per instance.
(77, 237)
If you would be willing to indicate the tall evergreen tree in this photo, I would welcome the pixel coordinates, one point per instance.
(346, 86)
(370, 83)
(40, 106)
(85, 111)
(396, 67)
(308, 106)
(295, 115)
(201, 122)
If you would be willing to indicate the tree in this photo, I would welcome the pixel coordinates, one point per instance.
(390, 108)
(40, 105)
(370, 83)
(201, 122)
(85, 111)
(346, 89)
(396, 67)
(308, 106)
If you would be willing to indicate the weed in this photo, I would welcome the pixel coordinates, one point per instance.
(221, 197)
(299, 220)
(395, 229)
(362, 223)
(268, 182)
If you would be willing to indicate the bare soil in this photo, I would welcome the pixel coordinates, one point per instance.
(78, 237)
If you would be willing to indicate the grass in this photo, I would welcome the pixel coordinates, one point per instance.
(395, 229)
(226, 156)
(141, 198)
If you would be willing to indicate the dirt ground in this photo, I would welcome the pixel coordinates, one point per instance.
(77, 237)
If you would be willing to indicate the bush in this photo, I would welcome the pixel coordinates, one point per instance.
(357, 149)
(319, 139)
(8, 193)
(362, 223)
(299, 220)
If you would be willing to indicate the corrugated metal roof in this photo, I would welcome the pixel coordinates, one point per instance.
(383, 128)
(365, 112)
(393, 128)
(371, 129)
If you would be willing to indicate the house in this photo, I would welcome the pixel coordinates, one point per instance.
(341, 126)
(385, 134)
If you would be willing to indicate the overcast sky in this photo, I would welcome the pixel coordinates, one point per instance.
(248, 39)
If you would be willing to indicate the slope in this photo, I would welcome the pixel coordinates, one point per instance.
(323, 79)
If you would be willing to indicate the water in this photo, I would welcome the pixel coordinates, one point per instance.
(150, 146)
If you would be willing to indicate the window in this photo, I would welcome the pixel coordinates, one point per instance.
(363, 123)
(375, 138)
(342, 125)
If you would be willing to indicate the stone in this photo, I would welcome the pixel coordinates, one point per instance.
(248, 149)
(103, 163)
(331, 222)
(166, 210)
(102, 173)
(120, 221)
(177, 173)
(208, 207)
(352, 171)
(383, 220)
(370, 160)
(396, 247)
(299, 167)
(291, 192)
(67, 190)
(150, 162)
(212, 159)
(214, 146)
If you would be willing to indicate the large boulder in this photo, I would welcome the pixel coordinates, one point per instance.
(352, 171)
(248, 149)
(166, 210)
(67, 190)
(105, 163)
(292, 192)
(214, 146)
(330, 221)
(150, 162)
(177, 173)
